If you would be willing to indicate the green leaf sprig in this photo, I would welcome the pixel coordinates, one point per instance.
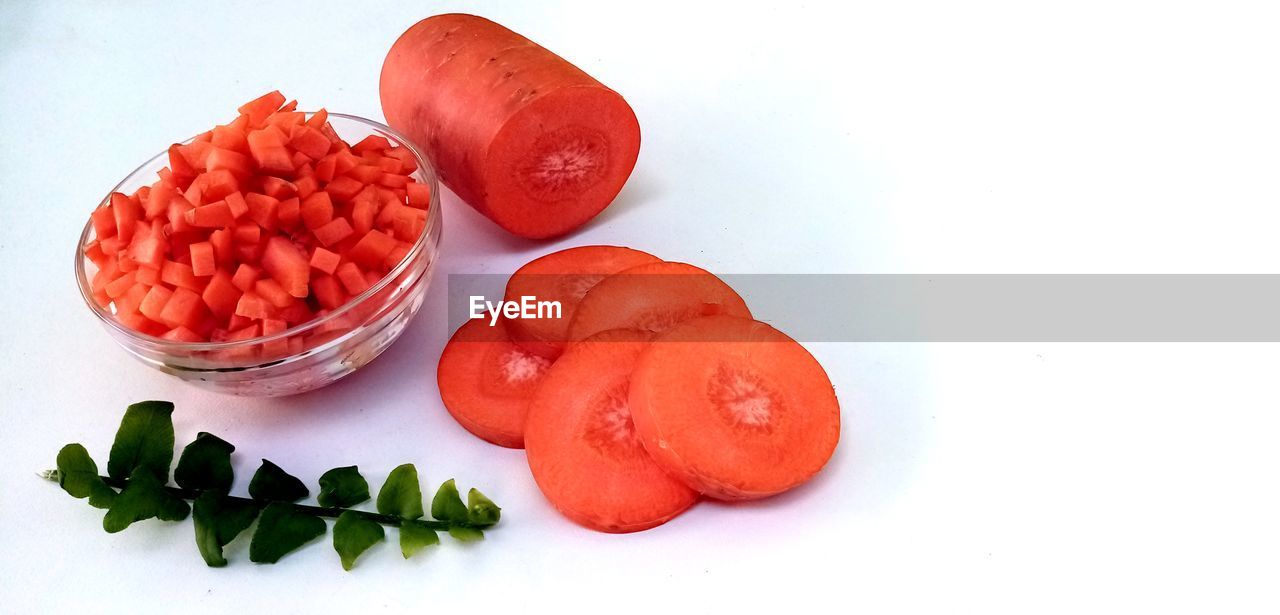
(136, 488)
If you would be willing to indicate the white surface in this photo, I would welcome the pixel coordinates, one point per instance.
(922, 138)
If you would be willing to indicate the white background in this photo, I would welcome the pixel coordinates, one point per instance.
(897, 138)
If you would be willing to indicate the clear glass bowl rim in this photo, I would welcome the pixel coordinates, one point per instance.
(433, 219)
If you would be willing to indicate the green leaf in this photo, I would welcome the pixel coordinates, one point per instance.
(353, 534)
(481, 511)
(414, 536)
(281, 529)
(205, 464)
(218, 520)
(272, 483)
(172, 508)
(465, 534)
(401, 495)
(447, 504)
(78, 476)
(145, 439)
(342, 488)
(141, 499)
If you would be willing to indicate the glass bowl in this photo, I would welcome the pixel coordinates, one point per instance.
(309, 355)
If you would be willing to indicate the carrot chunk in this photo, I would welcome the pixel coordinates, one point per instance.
(284, 262)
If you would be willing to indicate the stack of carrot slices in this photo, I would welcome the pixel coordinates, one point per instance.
(654, 387)
(256, 226)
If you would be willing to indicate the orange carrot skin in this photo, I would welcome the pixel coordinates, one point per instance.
(454, 82)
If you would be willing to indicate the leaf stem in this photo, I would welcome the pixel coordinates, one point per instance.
(319, 511)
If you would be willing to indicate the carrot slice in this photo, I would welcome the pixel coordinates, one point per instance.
(486, 382)
(653, 297)
(563, 276)
(582, 444)
(734, 408)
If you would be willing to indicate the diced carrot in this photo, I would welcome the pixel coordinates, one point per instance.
(333, 232)
(328, 291)
(117, 287)
(296, 312)
(237, 204)
(259, 108)
(253, 306)
(316, 210)
(419, 195)
(408, 164)
(397, 254)
(371, 143)
(289, 212)
(310, 142)
(245, 276)
(104, 221)
(182, 334)
(153, 303)
(306, 186)
(131, 300)
(372, 249)
(236, 321)
(221, 295)
(284, 262)
(218, 184)
(181, 275)
(196, 154)
(365, 174)
(324, 260)
(111, 245)
(178, 208)
(319, 119)
(229, 160)
(148, 247)
(247, 234)
(271, 290)
(184, 308)
(262, 209)
(393, 180)
(203, 262)
(326, 168)
(301, 164)
(181, 169)
(140, 323)
(246, 333)
(127, 213)
(158, 201)
(267, 147)
(278, 188)
(343, 188)
(147, 275)
(352, 278)
(94, 253)
(221, 240)
(214, 215)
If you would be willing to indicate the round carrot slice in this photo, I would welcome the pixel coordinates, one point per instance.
(734, 407)
(582, 446)
(486, 382)
(652, 298)
(563, 276)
